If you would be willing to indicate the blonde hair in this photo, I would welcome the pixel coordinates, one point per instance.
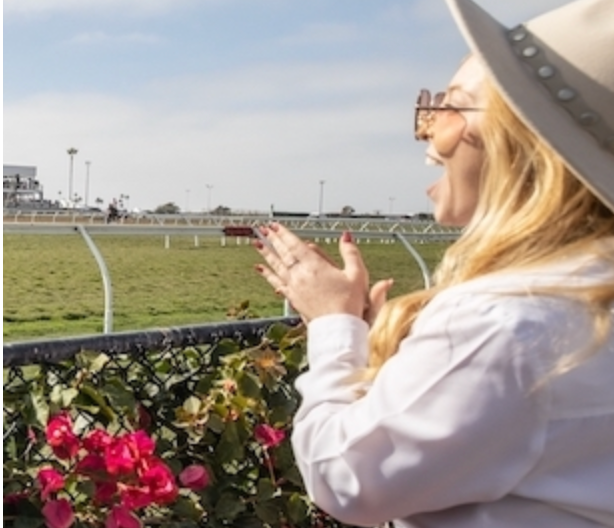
(531, 210)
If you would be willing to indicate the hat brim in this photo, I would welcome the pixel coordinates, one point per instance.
(488, 40)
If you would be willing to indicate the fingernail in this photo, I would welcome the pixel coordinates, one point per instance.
(264, 231)
(258, 244)
(346, 236)
(259, 268)
(274, 226)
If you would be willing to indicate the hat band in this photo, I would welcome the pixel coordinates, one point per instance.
(562, 93)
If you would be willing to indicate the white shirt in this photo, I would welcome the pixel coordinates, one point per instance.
(453, 432)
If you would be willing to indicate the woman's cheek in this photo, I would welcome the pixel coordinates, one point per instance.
(447, 132)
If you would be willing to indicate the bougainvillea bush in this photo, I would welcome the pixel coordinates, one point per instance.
(192, 436)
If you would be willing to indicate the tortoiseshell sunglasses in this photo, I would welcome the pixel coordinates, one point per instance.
(426, 106)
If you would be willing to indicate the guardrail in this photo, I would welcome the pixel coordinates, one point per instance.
(351, 223)
(53, 350)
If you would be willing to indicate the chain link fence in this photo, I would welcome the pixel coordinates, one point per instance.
(201, 392)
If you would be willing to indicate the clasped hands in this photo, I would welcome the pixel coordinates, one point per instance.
(313, 284)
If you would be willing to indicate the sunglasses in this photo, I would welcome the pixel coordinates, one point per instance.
(426, 106)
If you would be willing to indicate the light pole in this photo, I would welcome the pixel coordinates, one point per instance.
(391, 199)
(209, 188)
(87, 183)
(71, 152)
(321, 200)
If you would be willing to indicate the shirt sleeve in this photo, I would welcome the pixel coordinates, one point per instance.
(453, 418)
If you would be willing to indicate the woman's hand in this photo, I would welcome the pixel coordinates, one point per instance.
(313, 284)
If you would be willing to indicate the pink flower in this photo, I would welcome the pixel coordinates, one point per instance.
(269, 436)
(58, 514)
(141, 443)
(15, 498)
(50, 481)
(118, 457)
(194, 477)
(121, 517)
(60, 436)
(92, 465)
(124, 453)
(97, 440)
(160, 481)
(104, 492)
(134, 497)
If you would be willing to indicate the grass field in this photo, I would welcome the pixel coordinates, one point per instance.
(52, 285)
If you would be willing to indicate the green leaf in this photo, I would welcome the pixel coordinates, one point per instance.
(298, 507)
(68, 395)
(186, 509)
(204, 385)
(10, 448)
(31, 372)
(277, 332)
(293, 475)
(230, 446)
(39, 409)
(249, 385)
(295, 357)
(86, 488)
(56, 394)
(119, 396)
(91, 361)
(216, 423)
(267, 511)
(228, 506)
(23, 521)
(223, 348)
(265, 490)
(98, 362)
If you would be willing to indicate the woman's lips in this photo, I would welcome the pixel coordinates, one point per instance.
(433, 160)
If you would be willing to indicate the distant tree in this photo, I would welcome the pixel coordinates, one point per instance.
(424, 216)
(167, 208)
(221, 210)
(347, 210)
(99, 201)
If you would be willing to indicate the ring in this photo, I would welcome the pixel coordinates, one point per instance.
(292, 264)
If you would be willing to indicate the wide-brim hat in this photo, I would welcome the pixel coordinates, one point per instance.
(557, 73)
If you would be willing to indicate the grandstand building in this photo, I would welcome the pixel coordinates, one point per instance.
(21, 188)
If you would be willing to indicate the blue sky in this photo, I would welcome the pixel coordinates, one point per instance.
(243, 103)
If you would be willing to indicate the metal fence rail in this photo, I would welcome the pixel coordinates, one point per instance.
(58, 349)
(352, 223)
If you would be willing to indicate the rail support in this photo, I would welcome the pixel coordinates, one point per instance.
(106, 280)
(426, 276)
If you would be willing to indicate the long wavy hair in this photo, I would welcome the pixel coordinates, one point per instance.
(531, 210)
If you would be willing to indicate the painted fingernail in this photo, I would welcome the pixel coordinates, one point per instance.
(346, 236)
(258, 244)
(259, 268)
(274, 226)
(264, 231)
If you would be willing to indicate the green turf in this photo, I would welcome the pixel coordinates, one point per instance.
(52, 285)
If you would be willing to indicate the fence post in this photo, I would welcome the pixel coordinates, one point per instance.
(426, 276)
(106, 280)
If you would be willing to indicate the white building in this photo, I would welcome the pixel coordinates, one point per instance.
(20, 187)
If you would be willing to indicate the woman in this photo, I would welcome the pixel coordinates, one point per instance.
(486, 401)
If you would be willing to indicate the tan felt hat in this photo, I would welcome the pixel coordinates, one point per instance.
(557, 72)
